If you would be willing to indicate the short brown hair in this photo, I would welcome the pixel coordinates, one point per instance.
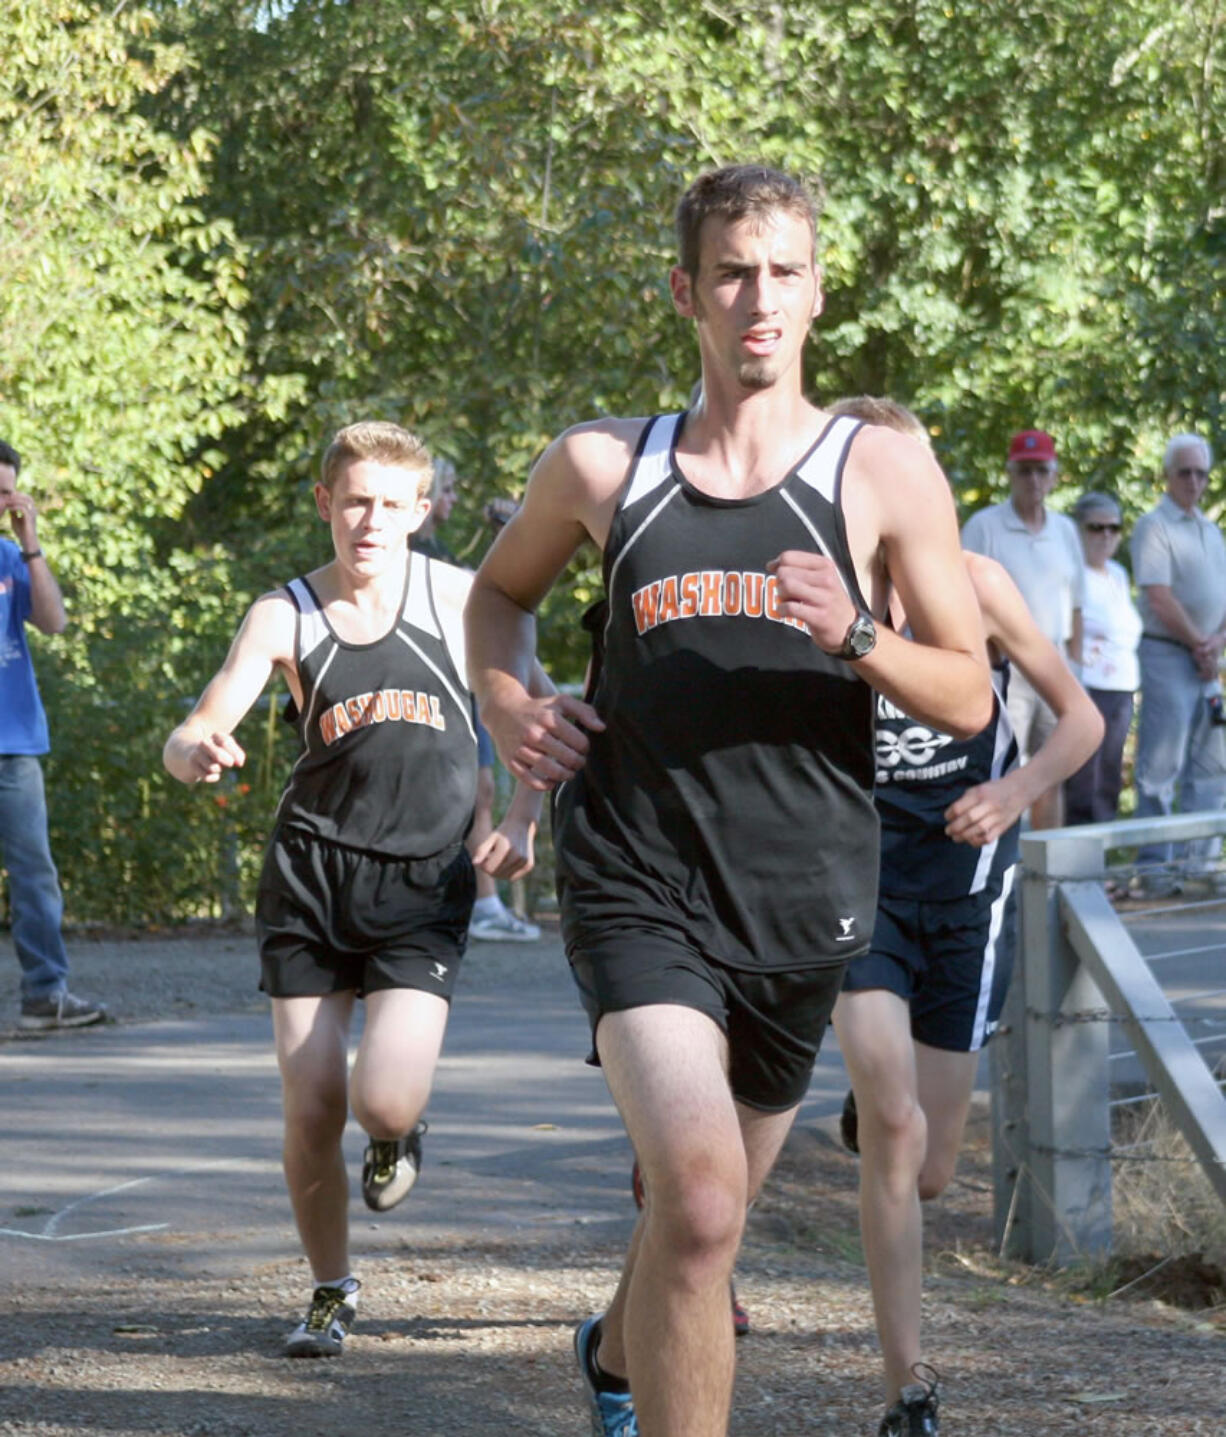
(383, 442)
(888, 413)
(738, 192)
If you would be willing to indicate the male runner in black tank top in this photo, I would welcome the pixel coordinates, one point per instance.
(367, 888)
(747, 544)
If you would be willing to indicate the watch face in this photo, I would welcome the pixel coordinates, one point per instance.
(861, 637)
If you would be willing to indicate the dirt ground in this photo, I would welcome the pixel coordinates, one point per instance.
(473, 1339)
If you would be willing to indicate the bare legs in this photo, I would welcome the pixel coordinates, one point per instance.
(702, 1156)
(912, 1102)
(392, 1074)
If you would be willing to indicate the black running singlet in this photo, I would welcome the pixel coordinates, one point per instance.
(920, 772)
(730, 797)
(390, 753)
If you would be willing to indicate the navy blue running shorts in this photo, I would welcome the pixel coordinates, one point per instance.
(774, 1021)
(331, 919)
(951, 960)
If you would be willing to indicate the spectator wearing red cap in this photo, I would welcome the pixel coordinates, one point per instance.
(1042, 552)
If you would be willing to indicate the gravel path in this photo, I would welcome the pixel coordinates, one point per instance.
(469, 1335)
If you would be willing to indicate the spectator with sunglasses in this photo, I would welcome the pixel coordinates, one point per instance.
(1111, 631)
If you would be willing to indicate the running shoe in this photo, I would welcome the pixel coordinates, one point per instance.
(390, 1168)
(60, 1010)
(915, 1412)
(740, 1318)
(324, 1329)
(849, 1124)
(503, 927)
(612, 1413)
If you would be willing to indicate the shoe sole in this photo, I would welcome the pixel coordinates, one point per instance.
(377, 1200)
(385, 1198)
(312, 1349)
(47, 1025)
(504, 937)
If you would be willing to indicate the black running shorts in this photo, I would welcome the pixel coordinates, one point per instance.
(331, 919)
(773, 1020)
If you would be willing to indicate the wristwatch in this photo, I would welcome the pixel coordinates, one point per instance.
(859, 639)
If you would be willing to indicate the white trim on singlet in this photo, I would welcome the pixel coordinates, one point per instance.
(654, 466)
(820, 470)
(987, 973)
(418, 600)
(654, 463)
(1000, 751)
(315, 614)
(422, 610)
(819, 541)
(312, 626)
(465, 707)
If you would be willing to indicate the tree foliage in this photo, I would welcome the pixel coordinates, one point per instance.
(235, 224)
(123, 311)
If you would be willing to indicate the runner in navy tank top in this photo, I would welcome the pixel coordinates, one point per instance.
(918, 1006)
(708, 860)
(366, 889)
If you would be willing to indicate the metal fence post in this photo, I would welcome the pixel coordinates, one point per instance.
(1010, 1129)
(1068, 1127)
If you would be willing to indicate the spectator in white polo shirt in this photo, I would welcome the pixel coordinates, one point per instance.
(1042, 552)
(1111, 631)
(1179, 565)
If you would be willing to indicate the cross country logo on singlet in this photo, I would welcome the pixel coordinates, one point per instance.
(710, 594)
(385, 706)
(906, 755)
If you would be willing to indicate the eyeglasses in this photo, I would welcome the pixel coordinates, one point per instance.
(1093, 528)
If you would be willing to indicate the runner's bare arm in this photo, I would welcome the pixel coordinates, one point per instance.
(509, 852)
(570, 497)
(899, 511)
(984, 812)
(202, 747)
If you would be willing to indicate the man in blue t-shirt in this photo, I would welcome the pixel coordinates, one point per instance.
(29, 594)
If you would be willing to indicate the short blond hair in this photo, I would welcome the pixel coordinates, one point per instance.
(888, 413)
(384, 443)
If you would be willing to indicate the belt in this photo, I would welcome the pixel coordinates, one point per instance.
(1165, 639)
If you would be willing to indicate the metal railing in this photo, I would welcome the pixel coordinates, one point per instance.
(1080, 979)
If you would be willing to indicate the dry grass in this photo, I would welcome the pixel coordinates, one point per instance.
(1163, 1199)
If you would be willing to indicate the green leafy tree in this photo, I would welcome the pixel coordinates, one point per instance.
(122, 307)
(240, 227)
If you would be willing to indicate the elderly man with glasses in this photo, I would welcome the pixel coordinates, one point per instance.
(1179, 564)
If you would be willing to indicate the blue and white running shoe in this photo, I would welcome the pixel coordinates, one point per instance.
(612, 1412)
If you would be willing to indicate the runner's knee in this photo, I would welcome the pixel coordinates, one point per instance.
(936, 1174)
(897, 1120)
(698, 1212)
(316, 1120)
(388, 1112)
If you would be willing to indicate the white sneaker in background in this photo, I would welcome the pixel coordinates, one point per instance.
(503, 927)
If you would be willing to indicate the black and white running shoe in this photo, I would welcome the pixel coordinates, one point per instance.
(390, 1168)
(323, 1331)
(915, 1412)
